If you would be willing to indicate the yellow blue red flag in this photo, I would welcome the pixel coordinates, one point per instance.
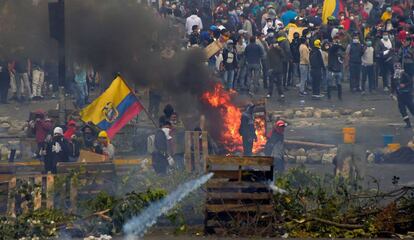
(113, 109)
(331, 8)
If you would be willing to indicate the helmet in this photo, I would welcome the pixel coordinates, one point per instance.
(58, 130)
(280, 123)
(317, 43)
(103, 134)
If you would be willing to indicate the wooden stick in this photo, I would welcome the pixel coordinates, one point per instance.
(50, 182)
(340, 225)
(38, 193)
(11, 201)
(309, 144)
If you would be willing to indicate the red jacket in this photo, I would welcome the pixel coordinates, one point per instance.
(71, 130)
(42, 128)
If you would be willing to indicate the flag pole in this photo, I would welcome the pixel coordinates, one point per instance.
(143, 107)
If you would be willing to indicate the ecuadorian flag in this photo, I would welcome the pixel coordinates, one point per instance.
(331, 8)
(113, 109)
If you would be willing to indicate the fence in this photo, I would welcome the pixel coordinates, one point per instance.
(196, 151)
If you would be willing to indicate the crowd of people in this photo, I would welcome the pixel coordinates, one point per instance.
(24, 79)
(289, 45)
(64, 143)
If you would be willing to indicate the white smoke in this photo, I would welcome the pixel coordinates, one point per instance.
(138, 226)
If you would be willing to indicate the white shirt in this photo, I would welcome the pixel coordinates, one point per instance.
(191, 21)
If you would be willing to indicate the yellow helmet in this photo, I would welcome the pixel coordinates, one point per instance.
(317, 43)
(103, 134)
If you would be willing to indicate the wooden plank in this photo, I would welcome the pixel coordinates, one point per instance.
(196, 142)
(238, 195)
(120, 162)
(233, 175)
(220, 184)
(204, 142)
(238, 208)
(50, 182)
(308, 144)
(73, 196)
(187, 151)
(14, 164)
(88, 156)
(11, 201)
(38, 193)
(240, 161)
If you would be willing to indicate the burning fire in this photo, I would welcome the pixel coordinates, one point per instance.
(231, 117)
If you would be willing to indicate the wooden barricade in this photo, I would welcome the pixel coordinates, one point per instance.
(42, 185)
(238, 198)
(9, 170)
(196, 151)
(92, 178)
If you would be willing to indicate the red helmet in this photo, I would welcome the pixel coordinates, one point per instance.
(289, 6)
(280, 123)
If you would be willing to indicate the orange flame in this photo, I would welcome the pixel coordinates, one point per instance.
(231, 118)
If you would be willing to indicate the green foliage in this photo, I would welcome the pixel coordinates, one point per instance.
(328, 206)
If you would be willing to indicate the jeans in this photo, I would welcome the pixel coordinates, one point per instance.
(304, 76)
(265, 70)
(38, 80)
(324, 82)
(285, 74)
(334, 78)
(228, 78)
(81, 94)
(405, 100)
(247, 146)
(354, 75)
(277, 79)
(293, 72)
(386, 72)
(368, 72)
(253, 71)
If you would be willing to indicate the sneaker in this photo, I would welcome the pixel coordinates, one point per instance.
(268, 96)
(302, 94)
(386, 89)
(282, 96)
(363, 93)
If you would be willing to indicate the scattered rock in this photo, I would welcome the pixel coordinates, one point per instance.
(301, 152)
(345, 112)
(317, 113)
(328, 158)
(326, 113)
(301, 159)
(357, 114)
(350, 120)
(315, 157)
(368, 113)
(289, 114)
(300, 114)
(333, 151)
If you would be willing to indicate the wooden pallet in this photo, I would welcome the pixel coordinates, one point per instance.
(196, 151)
(238, 199)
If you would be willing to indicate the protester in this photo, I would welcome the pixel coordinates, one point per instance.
(193, 20)
(38, 78)
(354, 52)
(253, 54)
(89, 136)
(247, 130)
(81, 86)
(42, 126)
(229, 64)
(276, 69)
(4, 82)
(368, 67)
(57, 150)
(404, 94)
(70, 130)
(104, 146)
(335, 68)
(275, 147)
(161, 157)
(316, 66)
(304, 66)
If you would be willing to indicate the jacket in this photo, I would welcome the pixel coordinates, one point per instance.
(335, 58)
(42, 129)
(285, 45)
(404, 79)
(355, 53)
(253, 53)
(316, 60)
(229, 59)
(247, 129)
(304, 54)
(58, 150)
(191, 21)
(368, 57)
(294, 49)
(274, 55)
(4, 76)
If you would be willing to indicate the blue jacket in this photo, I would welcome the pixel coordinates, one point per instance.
(253, 53)
(288, 16)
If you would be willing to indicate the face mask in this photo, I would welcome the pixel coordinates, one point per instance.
(246, 5)
(369, 44)
(385, 37)
(271, 34)
(308, 35)
(269, 24)
(355, 41)
(239, 12)
(342, 17)
(352, 18)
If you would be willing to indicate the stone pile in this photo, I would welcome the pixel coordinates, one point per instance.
(313, 155)
(12, 127)
(311, 112)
